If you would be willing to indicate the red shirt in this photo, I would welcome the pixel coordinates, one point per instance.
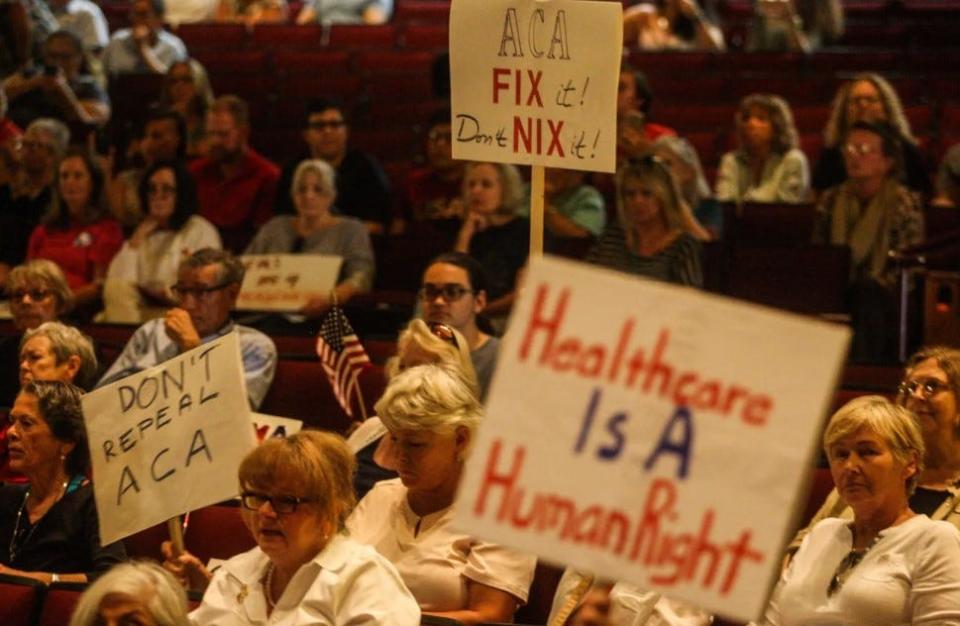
(237, 204)
(8, 130)
(78, 250)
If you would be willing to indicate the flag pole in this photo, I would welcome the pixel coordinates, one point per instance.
(363, 405)
(536, 211)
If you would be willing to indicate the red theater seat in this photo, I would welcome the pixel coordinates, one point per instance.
(358, 36)
(19, 600)
(212, 35)
(394, 62)
(303, 62)
(217, 532)
(287, 36)
(433, 37)
(422, 11)
(59, 603)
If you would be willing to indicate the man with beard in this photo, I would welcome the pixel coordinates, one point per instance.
(235, 185)
(363, 191)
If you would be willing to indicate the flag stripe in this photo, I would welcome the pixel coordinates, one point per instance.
(342, 357)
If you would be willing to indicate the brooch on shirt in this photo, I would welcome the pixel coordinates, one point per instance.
(83, 240)
(242, 594)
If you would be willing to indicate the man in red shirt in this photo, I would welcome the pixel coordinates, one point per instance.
(235, 185)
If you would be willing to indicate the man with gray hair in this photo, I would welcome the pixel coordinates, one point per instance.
(24, 200)
(207, 286)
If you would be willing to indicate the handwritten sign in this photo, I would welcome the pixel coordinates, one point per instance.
(535, 82)
(169, 439)
(270, 426)
(285, 282)
(666, 433)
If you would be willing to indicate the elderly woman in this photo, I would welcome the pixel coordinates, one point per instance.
(317, 229)
(682, 159)
(76, 232)
(868, 98)
(138, 593)
(38, 293)
(931, 390)
(50, 523)
(432, 413)
(655, 233)
(492, 232)
(767, 166)
(296, 495)
(137, 287)
(888, 565)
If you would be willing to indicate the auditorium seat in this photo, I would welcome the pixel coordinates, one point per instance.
(212, 35)
(854, 60)
(59, 603)
(19, 600)
(422, 11)
(376, 63)
(146, 543)
(310, 62)
(217, 532)
(362, 37)
(287, 36)
(433, 37)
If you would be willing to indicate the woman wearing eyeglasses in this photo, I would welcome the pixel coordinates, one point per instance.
(296, 495)
(137, 286)
(888, 565)
(318, 229)
(431, 413)
(656, 234)
(931, 390)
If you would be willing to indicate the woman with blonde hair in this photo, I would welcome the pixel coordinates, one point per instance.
(432, 412)
(867, 97)
(655, 234)
(296, 495)
(767, 166)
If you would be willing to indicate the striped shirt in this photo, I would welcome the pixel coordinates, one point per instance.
(677, 263)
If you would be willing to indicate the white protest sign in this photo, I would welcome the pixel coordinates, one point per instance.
(285, 282)
(535, 82)
(650, 433)
(269, 426)
(169, 439)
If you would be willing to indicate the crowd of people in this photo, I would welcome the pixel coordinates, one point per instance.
(358, 530)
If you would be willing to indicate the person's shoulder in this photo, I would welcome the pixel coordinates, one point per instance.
(251, 335)
(795, 155)
(386, 489)
(168, 38)
(262, 164)
(350, 224)
(246, 566)
(935, 531)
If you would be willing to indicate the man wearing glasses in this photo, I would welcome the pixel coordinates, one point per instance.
(363, 190)
(454, 292)
(208, 282)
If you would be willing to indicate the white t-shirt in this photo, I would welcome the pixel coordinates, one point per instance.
(434, 561)
(346, 584)
(910, 576)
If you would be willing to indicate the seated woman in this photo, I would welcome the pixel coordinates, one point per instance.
(50, 524)
(492, 233)
(682, 160)
(802, 25)
(296, 495)
(317, 229)
(673, 25)
(868, 98)
(930, 389)
(38, 293)
(767, 166)
(654, 234)
(346, 12)
(888, 565)
(76, 233)
(252, 12)
(186, 90)
(135, 593)
(432, 413)
(137, 287)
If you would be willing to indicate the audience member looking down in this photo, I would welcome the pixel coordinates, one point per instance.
(76, 232)
(296, 494)
(186, 90)
(431, 414)
(655, 234)
(317, 229)
(869, 98)
(673, 25)
(137, 286)
(767, 166)
(85, 20)
(136, 592)
(682, 160)
(50, 523)
(208, 282)
(145, 47)
(363, 191)
(888, 565)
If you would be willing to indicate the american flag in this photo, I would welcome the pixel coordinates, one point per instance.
(343, 358)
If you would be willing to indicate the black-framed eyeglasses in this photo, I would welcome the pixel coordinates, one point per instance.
(181, 292)
(35, 294)
(331, 125)
(928, 386)
(450, 292)
(442, 331)
(280, 504)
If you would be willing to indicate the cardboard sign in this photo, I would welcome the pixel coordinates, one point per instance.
(650, 433)
(535, 82)
(270, 426)
(169, 439)
(285, 282)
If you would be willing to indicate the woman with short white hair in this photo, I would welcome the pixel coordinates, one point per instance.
(431, 413)
(137, 592)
